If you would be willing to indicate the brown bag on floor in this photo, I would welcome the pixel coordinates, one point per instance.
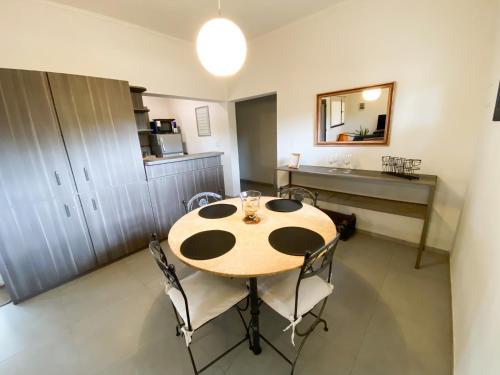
(346, 224)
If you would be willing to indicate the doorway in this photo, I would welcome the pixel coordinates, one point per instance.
(256, 127)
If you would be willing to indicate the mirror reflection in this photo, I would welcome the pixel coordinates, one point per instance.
(357, 116)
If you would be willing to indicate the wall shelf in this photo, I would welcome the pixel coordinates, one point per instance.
(137, 89)
(141, 118)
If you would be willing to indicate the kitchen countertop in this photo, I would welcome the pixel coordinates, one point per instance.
(176, 158)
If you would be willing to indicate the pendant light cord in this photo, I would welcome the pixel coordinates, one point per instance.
(219, 8)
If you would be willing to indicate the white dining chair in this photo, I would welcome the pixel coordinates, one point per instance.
(295, 294)
(200, 200)
(299, 193)
(199, 298)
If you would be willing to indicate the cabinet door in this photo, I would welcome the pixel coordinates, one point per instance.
(119, 219)
(42, 245)
(167, 194)
(34, 164)
(210, 179)
(98, 125)
(186, 187)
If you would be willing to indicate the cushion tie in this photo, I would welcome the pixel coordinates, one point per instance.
(292, 325)
(187, 335)
(167, 288)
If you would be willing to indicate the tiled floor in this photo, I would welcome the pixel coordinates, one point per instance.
(265, 189)
(385, 318)
(4, 296)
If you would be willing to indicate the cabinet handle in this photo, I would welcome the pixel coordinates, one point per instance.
(86, 174)
(66, 208)
(58, 180)
(94, 204)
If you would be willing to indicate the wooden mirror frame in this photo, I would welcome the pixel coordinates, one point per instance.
(383, 142)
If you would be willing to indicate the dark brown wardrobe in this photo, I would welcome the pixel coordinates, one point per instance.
(73, 192)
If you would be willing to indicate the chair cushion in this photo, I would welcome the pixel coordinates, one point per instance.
(208, 296)
(278, 292)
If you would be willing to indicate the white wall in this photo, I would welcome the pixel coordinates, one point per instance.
(434, 49)
(40, 35)
(183, 110)
(256, 130)
(475, 261)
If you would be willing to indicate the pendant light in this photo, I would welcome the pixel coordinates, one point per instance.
(221, 46)
(371, 95)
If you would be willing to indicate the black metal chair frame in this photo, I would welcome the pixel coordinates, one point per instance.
(168, 270)
(188, 205)
(325, 254)
(298, 193)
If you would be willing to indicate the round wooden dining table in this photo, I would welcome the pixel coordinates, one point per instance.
(250, 254)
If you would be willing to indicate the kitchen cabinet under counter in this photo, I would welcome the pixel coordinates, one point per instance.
(174, 179)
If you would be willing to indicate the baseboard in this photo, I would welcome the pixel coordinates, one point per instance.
(403, 242)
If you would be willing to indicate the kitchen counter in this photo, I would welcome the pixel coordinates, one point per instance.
(177, 158)
(175, 179)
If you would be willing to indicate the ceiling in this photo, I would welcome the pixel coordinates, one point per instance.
(183, 18)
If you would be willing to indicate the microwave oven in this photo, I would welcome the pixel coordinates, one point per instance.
(166, 144)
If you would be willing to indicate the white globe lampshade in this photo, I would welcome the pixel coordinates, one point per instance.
(221, 47)
(371, 94)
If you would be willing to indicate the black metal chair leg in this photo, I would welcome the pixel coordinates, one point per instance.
(177, 331)
(325, 324)
(299, 350)
(318, 319)
(192, 361)
(247, 329)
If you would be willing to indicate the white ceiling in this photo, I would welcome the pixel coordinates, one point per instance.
(183, 18)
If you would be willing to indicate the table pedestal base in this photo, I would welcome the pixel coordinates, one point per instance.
(254, 322)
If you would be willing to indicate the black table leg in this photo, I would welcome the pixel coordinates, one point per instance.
(254, 322)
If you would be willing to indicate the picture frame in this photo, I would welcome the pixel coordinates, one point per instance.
(294, 160)
(203, 121)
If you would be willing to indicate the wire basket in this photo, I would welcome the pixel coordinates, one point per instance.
(401, 167)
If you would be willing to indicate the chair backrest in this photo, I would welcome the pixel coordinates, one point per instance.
(315, 262)
(300, 194)
(156, 250)
(169, 272)
(200, 200)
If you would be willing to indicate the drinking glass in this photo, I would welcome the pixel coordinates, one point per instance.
(347, 163)
(332, 160)
(250, 202)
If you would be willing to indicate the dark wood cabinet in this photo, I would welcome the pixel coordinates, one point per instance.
(172, 182)
(33, 161)
(98, 125)
(210, 179)
(73, 192)
(43, 244)
(73, 188)
(119, 220)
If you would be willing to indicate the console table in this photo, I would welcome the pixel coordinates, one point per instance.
(371, 190)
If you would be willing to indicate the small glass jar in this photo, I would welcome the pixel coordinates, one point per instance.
(250, 203)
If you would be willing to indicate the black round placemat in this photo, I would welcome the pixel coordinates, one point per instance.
(217, 211)
(295, 240)
(207, 244)
(284, 205)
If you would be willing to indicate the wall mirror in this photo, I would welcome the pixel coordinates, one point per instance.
(360, 116)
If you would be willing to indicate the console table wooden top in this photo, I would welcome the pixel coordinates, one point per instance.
(424, 179)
